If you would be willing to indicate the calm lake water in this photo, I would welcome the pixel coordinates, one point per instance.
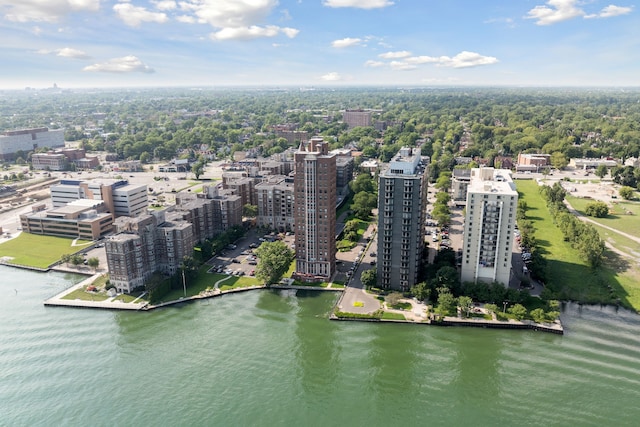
(268, 358)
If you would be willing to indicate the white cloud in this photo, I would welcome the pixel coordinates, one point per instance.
(562, 10)
(359, 4)
(331, 77)
(126, 64)
(402, 66)
(611, 11)
(252, 32)
(65, 52)
(395, 55)
(235, 19)
(373, 64)
(68, 52)
(466, 59)
(45, 10)
(135, 15)
(229, 13)
(165, 4)
(186, 19)
(346, 42)
(559, 10)
(421, 59)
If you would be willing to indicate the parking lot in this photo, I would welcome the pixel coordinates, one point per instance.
(239, 258)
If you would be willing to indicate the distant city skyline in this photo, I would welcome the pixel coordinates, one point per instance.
(314, 43)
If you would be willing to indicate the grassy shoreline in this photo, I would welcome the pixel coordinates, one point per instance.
(569, 276)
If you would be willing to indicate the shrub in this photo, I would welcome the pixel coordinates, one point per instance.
(597, 209)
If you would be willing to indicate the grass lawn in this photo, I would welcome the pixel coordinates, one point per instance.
(196, 285)
(568, 276)
(83, 295)
(402, 306)
(239, 282)
(393, 316)
(618, 218)
(127, 298)
(291, 270)
(39, 251)
(336, 285)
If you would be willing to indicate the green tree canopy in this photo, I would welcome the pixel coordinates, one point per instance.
(369, 278)
(274, 260)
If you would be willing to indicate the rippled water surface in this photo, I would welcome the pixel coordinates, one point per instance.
(269, 358)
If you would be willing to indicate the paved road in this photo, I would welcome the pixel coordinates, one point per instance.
(354, 291)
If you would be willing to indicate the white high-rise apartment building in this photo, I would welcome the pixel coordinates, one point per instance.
(490, 219)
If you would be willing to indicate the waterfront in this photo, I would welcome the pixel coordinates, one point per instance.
(273, 358)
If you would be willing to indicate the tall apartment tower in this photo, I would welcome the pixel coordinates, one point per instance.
(402, 202)
(490, 218)
(315, 210)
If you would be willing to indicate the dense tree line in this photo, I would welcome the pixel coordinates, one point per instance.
(583, 237)
(486, 123)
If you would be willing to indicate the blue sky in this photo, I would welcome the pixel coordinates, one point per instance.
(121, 43)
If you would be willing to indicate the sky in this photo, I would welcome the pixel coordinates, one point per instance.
(314, 43)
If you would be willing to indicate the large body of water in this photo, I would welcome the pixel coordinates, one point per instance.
(268, 358)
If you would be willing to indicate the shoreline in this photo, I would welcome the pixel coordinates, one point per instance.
(59, 301)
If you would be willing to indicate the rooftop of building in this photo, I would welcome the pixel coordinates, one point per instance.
(490, 180)
(405, 163)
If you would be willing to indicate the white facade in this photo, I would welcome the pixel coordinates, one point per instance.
(62, 194)
(29, 139)
(492, 201)
(130, 200)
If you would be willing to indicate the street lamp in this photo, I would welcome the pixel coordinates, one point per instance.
(184, 284)
(504, 306)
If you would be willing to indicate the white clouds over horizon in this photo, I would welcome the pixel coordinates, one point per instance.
(403, 60)
(358, 4)
(395, 55)
(126, 64)
(234, 19)
(133, 16)
(346, 42)
(563, 10)
(66, 52)
(252, 32)
(331, 77)
(45, 10)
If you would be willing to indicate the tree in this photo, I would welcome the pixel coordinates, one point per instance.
(76, 259)
(518, 311)
(274, 260)
(189, 266)
(446, 302)
(93, 262)
(421, 291)
(369, 278)
(198, 168)
(626, 192)
(559, 160)
(66, 258)
(538, 315)
(597, 209)
(362, 204)
(250, 210)
(363, 182)
(491, 308)
(601, 171)
(393, 298)
(466, 304)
